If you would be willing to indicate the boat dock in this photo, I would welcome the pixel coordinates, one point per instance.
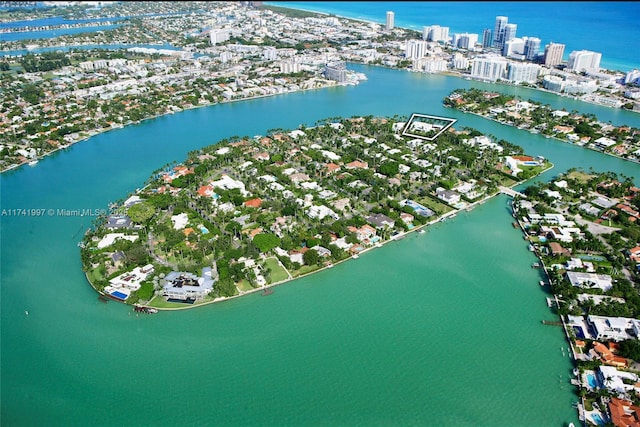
(551, 323)
(147, 310)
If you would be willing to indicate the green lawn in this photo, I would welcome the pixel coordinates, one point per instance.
(579, 176)
(95, 276)
(306, 269)
(244, 285)
(160, 302)
(278, 273)
(436, 206)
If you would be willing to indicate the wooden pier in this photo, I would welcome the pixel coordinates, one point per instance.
(551, 323)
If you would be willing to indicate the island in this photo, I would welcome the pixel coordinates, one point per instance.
(249, 213)
(583, 226)
(567, 126)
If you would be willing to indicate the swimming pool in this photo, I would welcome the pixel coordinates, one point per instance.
(591, 379)
(119, 295)
(579, 332)
(597, 419)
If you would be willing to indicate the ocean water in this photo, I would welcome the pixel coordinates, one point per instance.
(439, 329)
(606, 27)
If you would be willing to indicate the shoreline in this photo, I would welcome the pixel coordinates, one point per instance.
(96, 132)
(398, 237)
(546, 136)
(548, 287)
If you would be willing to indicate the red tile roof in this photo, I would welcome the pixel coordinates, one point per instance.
(253, 203)
(624, 413)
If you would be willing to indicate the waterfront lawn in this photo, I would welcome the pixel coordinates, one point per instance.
(305, 269)
(160, 302)
(435, 205)
(579, 176)
(95, 275)
(278, 274)
(244, 286)
(145, 293)
(504, 179)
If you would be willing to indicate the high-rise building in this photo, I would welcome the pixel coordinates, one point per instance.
(584, 60)
(336, 71)
(553, 53)
(631, 76)
(522, 72)
(514, 48)
(467, 41)
(459, 61)
(498, 31)
(531, 47)
(390, 16)
(509, 33)
(415, 49)
(218, 36)
(436, 33)
(488, 68)
(487, 41)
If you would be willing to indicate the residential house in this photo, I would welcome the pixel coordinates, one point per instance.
(407, 218)
(624, 413)
(590, 280)
(380, 220)
(115, 222)
(357, 164)
(185, 286)
(449, 196)
(253, 203)
(614, 328)
(634, 254)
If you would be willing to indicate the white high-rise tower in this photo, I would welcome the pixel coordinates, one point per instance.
(498, 32)
(390, 16)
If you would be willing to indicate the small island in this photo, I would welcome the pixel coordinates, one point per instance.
(583, 226)
(248, 213)
(579, 129)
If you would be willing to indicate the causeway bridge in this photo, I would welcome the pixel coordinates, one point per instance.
(511, 192)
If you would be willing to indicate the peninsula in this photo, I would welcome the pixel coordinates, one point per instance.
(580, 129)
(249, 213)
(583, 228)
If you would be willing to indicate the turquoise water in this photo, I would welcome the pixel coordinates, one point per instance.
(592, 381)
(441, 329)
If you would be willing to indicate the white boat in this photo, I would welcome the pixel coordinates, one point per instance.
(33, 162)
(422, 231)
(355, 256)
